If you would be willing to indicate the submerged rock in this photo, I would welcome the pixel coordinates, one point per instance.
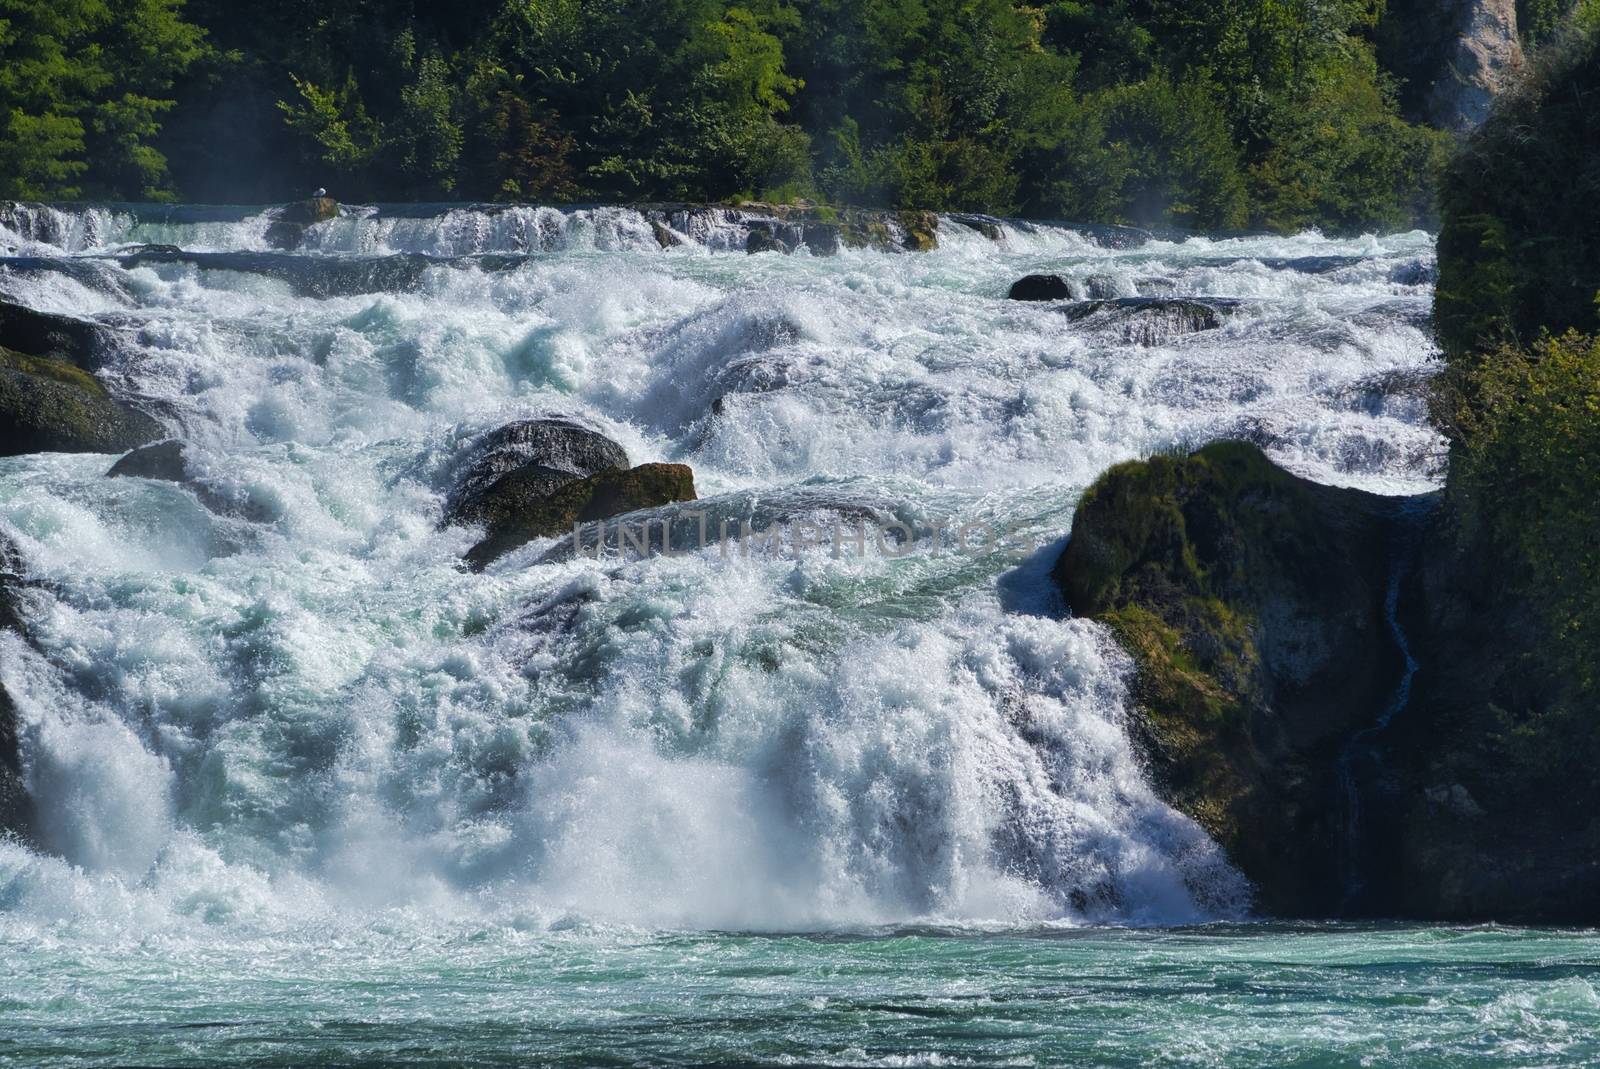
(664, 235)
(1253, 603)
(603, 496)
(170, 461)
(51, 406)
(310, 276)
(511, 468)
(1040, 288)
(1147, 321)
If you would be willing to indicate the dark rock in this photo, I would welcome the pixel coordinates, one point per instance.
(1351, 697)
(1040, 288)
(510, 468)
(1148, 321)
(608, 494)
(987, 225)
(1494, 713)
(159, 460)
(1253, 603)
(80, 342)
(822, 239)
(50, 406)
(1415, 273)
(169, 461)
(763, 240)
(824, 230)
(741, 524)
(664, 235)
(288, 227)
(1311, 265)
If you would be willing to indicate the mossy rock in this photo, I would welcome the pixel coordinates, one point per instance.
(1252, 602)
(824, 229)
(610, 493)
(512, 468)
(80, 342)
(921, 231)
(50, 406)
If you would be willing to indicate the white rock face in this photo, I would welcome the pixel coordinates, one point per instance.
(1484, 59)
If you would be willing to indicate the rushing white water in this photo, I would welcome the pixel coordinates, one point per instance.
(242, 722)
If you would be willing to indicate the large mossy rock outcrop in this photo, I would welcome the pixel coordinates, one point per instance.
(1265, 616)
(1252, 602)
(51, 406)
(611, 493)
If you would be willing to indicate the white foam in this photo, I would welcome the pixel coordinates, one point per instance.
(239, 721)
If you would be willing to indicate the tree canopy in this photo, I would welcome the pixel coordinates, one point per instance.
(1216, 114)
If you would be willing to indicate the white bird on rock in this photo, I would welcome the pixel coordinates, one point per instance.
(320, 192)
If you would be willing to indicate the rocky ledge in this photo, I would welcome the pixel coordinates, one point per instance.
(1320, 682)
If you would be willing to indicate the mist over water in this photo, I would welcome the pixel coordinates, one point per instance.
(314, 717)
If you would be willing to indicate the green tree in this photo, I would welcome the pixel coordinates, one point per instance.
(83, 86)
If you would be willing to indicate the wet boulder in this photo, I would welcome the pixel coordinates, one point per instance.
(51, 406)
(1040, 288)
(508, 469)
(608, 494)
(762, 239)
(290, 223)
(172, 461)
(664, 235)
(80, 342)
(160, 460)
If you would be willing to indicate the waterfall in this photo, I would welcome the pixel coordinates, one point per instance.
(301, 704)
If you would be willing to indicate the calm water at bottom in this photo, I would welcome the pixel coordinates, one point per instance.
(395, 992)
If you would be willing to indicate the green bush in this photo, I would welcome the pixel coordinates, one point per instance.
(1525, 482)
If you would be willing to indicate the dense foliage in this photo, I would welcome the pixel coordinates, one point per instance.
(1216, 113)
(83, 87)
(1519, 292)
(1519, 245)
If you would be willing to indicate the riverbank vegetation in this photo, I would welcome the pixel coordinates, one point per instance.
(1254, 113)
(1518, 316)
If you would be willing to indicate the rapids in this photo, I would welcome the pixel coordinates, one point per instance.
(321, 717)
